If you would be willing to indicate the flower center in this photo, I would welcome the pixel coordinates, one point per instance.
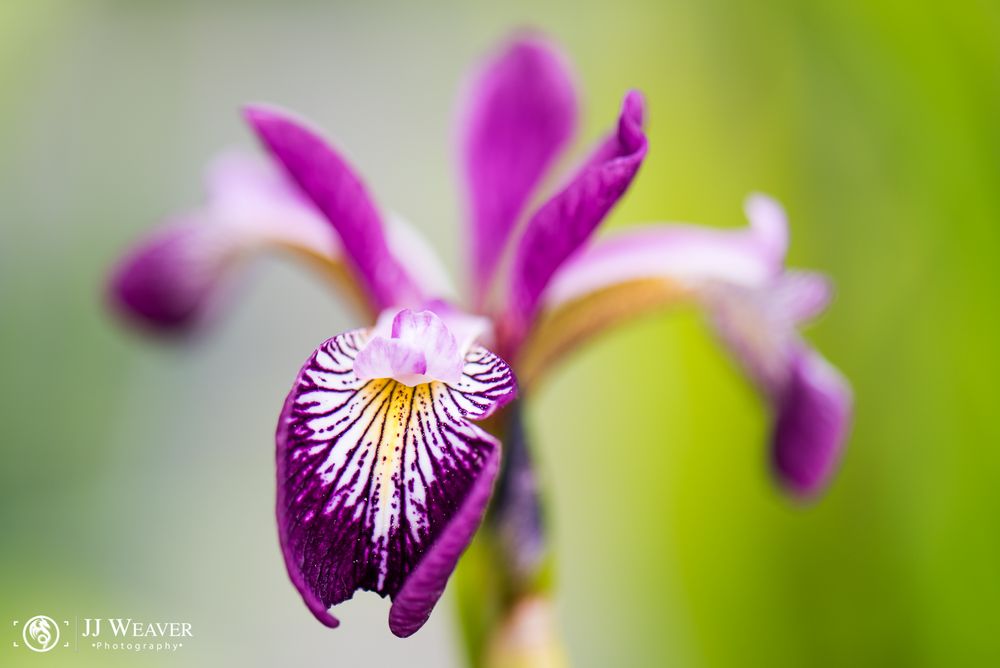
(416, 348)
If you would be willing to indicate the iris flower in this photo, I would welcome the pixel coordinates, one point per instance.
(387, 445)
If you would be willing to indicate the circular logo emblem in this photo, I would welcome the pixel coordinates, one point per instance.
(41, 633)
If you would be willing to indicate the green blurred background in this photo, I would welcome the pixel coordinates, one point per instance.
(137, 477)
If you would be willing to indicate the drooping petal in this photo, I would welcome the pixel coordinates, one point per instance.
(759, 324)
(634, 272)
(174, 278)
(566, 221)
(802, 295)
(649, 267)
(810, 400)
(381, 485)
(518, 114)
(327, 179)
(813, 420)
(690, 255)
(169, 281)
(755, 305)
(753, 326)
(687, 254)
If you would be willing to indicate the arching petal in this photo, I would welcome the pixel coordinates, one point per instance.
(381, 485)
(634, 272)
(517, 115)
(559, 332)
(803, 295)
(565, 222)
(759, 324)
(810, 400)
(813, 420)
(691, 255)
(171, 279)
(326, 178)
(755, 305)
(175, 277)
(652, 266)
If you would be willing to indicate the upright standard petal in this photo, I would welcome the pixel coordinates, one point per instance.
(326, 178)
(174, 278)
(565, 222)
(381, 484)
(755, 306)
(517, 115)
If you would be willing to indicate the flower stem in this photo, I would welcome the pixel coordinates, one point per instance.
(505, 580)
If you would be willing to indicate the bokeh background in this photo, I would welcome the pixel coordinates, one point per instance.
(137, 477)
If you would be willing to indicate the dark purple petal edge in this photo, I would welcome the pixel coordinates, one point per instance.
(412, 606)
(312, 601)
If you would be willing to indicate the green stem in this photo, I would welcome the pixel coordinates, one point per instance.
(504, 580)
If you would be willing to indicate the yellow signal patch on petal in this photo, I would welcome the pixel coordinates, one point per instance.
(375, 475)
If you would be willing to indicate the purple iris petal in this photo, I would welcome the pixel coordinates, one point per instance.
(755, 305)
(412, 606)
(172, 279)
(690, 255)
(803, 295)
(769, 223)
(810, 400)
(381, 485)
(814, 416)
(519, 112)
(329, 181)
(567, 220)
